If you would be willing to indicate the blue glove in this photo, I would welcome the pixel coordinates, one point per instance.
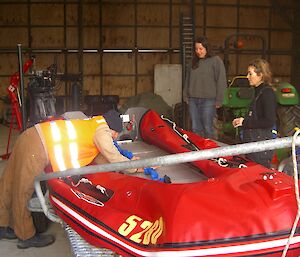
(124, 152)
(148, 171)
(154, 175)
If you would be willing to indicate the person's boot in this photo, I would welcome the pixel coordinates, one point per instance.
(7, 233)
(38, 240)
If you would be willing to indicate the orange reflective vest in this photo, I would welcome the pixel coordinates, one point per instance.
(70, 142)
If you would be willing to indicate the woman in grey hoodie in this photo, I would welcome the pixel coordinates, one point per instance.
(204, 88)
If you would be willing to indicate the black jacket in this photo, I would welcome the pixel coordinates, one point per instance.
(262, 111)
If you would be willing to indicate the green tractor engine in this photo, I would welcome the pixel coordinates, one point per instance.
(237, 99)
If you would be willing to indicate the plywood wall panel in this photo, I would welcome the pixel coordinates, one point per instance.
(9, 64)
(175, 41)
(219, 1)
(277, 42)
(175, 58)
(157, 1)
(47, 14)
(40, 1)
(153, 37)
(91, 14)
(60, 60)
(4, 83)
(199, 15)
(72, 38)
(119, 64)
(118, 14)
(91, 37)
(238, 64)
(47, 37)
(91, 63)
(121, 86)
(146, 61)
(145, 84)
(10, 37)
(244, 61)
(221, 16)
(73, 63)
(153, 14)
(286, 3)
(118, 38)
(13, 14)
(217, 36)
(278, 22)
(256, 2)
(281, 64)
(71, 14)
(232, 68)
(251, 17)
(60, 86)
(184, 9)
(91, 85)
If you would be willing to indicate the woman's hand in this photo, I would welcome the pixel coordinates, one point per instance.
(238, 122)
(134, 158)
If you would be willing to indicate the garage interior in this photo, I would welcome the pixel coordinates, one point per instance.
(106, 52)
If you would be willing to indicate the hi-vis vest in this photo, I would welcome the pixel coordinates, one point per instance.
(70, 142)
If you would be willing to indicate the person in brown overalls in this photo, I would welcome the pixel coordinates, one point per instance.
(40, 145)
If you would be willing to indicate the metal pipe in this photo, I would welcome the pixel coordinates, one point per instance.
(22, 94)
(177, 158)
(161, 161)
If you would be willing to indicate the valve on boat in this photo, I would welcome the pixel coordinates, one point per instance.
(154, 175)
(268, 175)
(167, 179)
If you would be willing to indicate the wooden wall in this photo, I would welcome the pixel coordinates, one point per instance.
(148, 30)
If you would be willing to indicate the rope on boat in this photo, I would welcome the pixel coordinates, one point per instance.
(223, 162)
(184, 136)
(294, 157)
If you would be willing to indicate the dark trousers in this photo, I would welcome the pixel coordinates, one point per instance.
(253, 135)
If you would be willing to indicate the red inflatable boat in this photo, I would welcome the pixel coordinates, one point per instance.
(227, 207)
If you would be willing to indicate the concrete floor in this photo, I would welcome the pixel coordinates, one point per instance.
(8, 248)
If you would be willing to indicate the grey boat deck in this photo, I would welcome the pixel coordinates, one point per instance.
(179, 173)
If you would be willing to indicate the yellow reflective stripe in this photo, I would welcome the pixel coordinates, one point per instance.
(73, 147)
(56, 136)
(71, 130)
(101, 121)
(58, 153)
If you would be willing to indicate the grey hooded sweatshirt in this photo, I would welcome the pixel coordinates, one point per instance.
(208, 80)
